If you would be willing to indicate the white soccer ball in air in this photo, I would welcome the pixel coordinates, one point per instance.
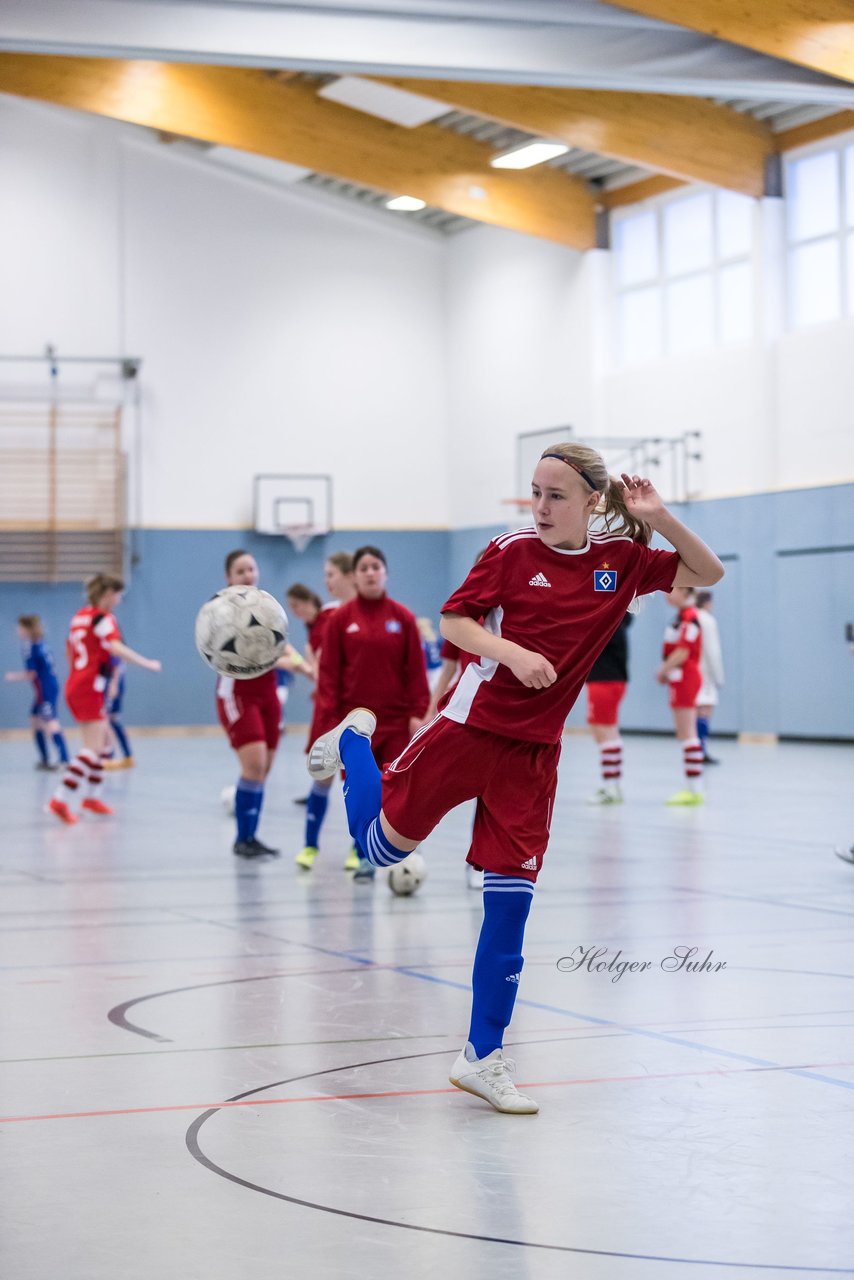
(241, 632)
(407, 877)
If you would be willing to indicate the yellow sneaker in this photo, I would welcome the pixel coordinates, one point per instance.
(305, 858)
(353, 860)
(687, 798)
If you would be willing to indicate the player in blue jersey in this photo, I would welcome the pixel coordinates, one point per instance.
(115, 698)
(39, 670)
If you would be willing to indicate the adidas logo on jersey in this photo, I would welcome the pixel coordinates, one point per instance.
(539, 580)
(513, 977)
(354, 626)
(530, 865)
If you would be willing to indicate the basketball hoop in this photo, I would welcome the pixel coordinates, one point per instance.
(300, 535)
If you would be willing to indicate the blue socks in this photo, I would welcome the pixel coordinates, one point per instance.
(703, 731)
(248, 799)
(41, 744)
(59, 743)
(378, 849)
(498, 959)
(315, 812)
(124, 743)
(363, 792)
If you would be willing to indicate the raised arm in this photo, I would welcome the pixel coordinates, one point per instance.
(120, 650)
(699, 566)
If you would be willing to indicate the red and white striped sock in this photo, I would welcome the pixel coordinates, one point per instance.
(611, 761)
(94, 772)
(70, 789)
(692, 756)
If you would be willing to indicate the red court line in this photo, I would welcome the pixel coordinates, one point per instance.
(413, 1093)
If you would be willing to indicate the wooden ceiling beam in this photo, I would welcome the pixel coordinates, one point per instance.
(815, 131)
(634, 192)
(818, 34)
(686, 138)
(256, 111)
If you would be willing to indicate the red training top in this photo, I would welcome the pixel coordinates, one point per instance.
(317, 629)
(684, 632)
(90, 635)
(372, 656)
(565, 605)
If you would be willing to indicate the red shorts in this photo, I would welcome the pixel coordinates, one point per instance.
(683, 692)
(85, 703)
(513, 782)
(387, 743)
(248, 721)
(603, 701)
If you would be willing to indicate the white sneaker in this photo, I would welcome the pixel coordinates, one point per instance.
(607, 795)
(324, 759)
(474, 877)
(489, 1078)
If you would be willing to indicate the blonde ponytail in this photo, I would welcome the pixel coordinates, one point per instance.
(616, 517)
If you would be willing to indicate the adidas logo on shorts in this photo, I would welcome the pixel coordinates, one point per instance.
(530, 865)
(539, 580)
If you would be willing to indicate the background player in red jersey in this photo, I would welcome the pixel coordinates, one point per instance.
(94, 640)
(249, 712)
(606, 688)
(372, 653)
(550, 597)
(680, 670)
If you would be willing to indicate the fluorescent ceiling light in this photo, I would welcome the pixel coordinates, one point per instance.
(396, 105)
(531, 154)
(408, 204)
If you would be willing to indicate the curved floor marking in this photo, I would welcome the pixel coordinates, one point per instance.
(194, 1147)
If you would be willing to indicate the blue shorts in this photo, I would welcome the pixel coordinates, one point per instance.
(114, 708)
(44, 709)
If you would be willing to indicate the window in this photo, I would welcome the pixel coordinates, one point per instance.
(820, 231)
(684, 275)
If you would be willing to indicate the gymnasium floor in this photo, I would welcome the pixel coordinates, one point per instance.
(692, 1123)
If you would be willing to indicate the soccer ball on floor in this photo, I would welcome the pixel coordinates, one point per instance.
(227, 796)
(407, 877)
(241, 632)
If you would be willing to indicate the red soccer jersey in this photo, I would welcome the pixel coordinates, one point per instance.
(451, 653)
(684, 633)
(90, 635)
(317, 628)
(372, 656)
(565, 605)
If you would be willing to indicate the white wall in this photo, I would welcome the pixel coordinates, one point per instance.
(278, 333)
(519, 355)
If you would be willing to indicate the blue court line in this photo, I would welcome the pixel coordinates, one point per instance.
(594, 1021)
